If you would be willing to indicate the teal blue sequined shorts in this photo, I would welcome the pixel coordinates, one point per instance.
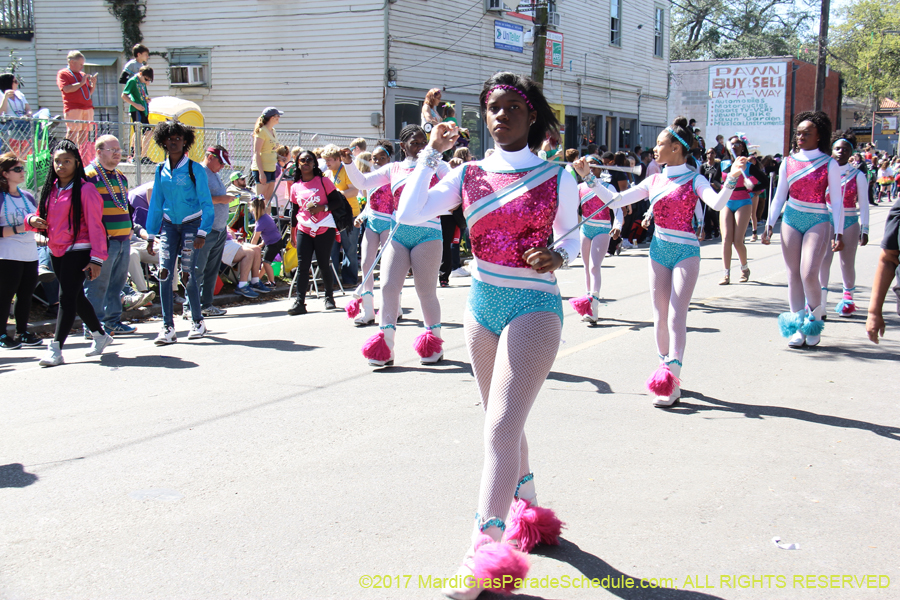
(495, 307)
(803, 221)
(592, 231)
(850, 221)
(669, 254)
(378, 225)
(411, 236)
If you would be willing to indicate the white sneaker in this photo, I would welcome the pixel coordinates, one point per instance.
(797, 340)
(53, 357)
(198, 330)
(460, 272)
(101, 341)
(166, 336)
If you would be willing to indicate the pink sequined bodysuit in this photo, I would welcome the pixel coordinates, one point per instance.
(398, 172)
(812, 187)
(588, 208)
(676, 209)
(503, 236)
(381, 200)
(851, 192)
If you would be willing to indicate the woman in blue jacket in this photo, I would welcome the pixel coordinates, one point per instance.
(181, 213)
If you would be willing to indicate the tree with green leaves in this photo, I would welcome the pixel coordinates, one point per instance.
(708, 29)
(864, 45)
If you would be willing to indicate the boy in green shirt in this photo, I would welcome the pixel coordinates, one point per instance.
(135, 95)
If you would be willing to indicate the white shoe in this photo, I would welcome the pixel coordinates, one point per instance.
(198, 330)
(460, 272)
(166, 336)
(53, 357)
(671, 399)
(818, 314)
(101, 341)
(366, 316)
(797, 340)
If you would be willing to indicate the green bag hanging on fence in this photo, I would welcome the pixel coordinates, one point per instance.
(37, 165)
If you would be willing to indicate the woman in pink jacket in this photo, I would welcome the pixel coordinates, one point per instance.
(70, 214)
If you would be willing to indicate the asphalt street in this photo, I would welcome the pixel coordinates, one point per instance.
(269, 461)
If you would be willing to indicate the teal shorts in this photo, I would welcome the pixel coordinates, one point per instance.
(378, 225)
(591, 231)
(495, 307)
(804, 221)
(669, 254)
(411, 236)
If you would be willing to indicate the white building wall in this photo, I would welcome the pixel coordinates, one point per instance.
(321, 63)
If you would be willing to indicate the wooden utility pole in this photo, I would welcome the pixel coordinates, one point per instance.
(820, 64)
(540, 41)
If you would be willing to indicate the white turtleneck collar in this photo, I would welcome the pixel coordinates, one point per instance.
(501, 160)
(808, 154)
(675, 171)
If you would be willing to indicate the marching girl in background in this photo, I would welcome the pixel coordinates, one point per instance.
(737, 212)
(595, 234)
(378, 218)
(513, 201)
(419, 247)
(855, 190)
(674, 250)
(805, 179)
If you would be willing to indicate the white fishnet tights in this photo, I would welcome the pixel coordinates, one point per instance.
(593, 252)
(803, 254)
(425, 259)
(371, 242)
(671, 292)
(510, 369)
(848, 259)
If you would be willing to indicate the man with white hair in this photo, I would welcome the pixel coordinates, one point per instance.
(77, 88)
(103, 292)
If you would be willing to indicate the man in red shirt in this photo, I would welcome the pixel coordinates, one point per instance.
(76, 87)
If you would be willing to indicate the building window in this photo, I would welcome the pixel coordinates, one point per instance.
(189, 67)
(615, 22)
(16, 19)
(658, 33)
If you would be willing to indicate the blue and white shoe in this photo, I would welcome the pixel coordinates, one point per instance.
(246, 291)
(120, 329)
(260, 287)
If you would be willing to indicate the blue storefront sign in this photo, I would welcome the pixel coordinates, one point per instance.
(509, 36)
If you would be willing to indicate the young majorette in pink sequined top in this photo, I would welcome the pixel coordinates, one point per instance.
(674, 249)
(855, 190)
(419, 247)
(805, 179)
(512, 201)
(595, 234)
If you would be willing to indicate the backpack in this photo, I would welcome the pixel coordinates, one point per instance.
(340, 209)
(190, 170)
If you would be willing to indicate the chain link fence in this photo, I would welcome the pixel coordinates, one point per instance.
(34, 140)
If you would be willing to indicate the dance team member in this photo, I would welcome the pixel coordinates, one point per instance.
(734, 217)
(855, 190)
(513, 201)
(674, 249)
(418, 246)
(805, 179)
(379, 218)
(595, 234)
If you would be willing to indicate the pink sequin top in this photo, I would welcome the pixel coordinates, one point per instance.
(381, 200)
(503, 236)
(676, 209)
(588, 208)
(398, 171)
(851, 191)
(810, 188)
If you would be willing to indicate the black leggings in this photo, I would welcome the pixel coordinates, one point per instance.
(17, 278)
(69, 269)
(321, 246)
(448, 230)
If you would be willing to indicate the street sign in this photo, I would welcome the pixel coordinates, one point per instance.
(554, 54)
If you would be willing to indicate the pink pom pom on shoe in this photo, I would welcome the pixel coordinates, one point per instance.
(353, 308)
(582, 305)
(498, 561)
(532, 525)
(376, 348)
(663, 381)
(428, 344)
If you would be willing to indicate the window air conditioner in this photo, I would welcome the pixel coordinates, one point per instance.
(186, 75)
(553, 19)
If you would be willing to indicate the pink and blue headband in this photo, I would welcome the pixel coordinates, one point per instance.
(510, 88)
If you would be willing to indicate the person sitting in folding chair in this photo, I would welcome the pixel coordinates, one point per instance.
(246, 259)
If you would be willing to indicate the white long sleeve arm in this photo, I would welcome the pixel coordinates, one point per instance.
(863, 198)
(712, 198)
(368, 181)
(836, 192)
(781, 193)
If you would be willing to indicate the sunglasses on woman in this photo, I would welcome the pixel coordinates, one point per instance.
(17, 169)
(304, 160)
